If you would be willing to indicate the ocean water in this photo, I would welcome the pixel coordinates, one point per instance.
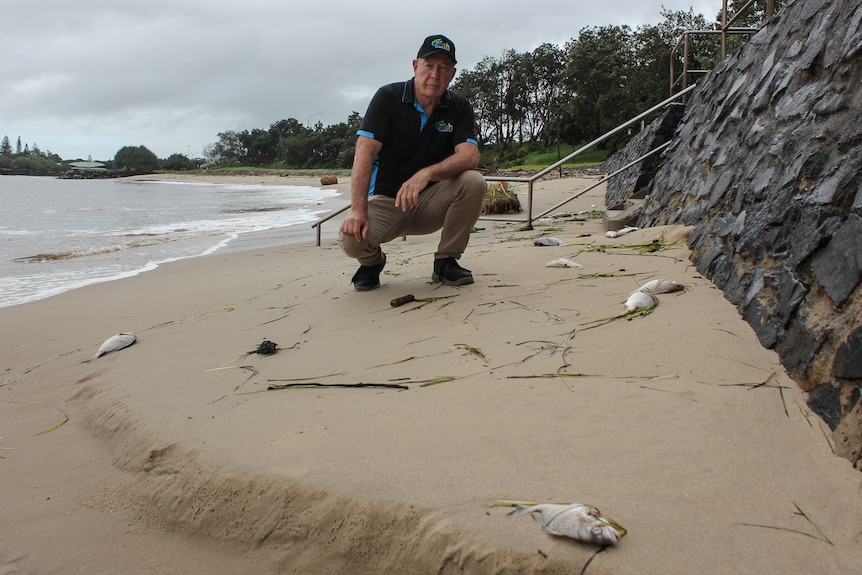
(58, 235)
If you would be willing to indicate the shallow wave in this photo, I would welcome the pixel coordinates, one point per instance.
(151, 240)
(255, 210)
(24, 289)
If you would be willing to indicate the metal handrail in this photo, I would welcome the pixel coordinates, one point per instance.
(532, 179)
(725, 29)
(726, 22)
(601, 181)
(685, 40)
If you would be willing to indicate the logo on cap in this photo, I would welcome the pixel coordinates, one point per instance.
(437, 44)
(441, 44)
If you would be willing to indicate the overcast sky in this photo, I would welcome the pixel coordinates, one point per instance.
(86, 78)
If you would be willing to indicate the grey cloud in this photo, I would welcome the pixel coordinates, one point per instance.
(90, 77)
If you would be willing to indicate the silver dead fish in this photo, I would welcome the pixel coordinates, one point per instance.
(640, 300)
(644, 296)
(622, 232)
(656, 287)
(548, 241)
(563, 263)
(576, 521)
(113, 343)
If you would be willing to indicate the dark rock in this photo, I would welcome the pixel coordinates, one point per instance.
(722, 270)
(791, 292)
(797, 348)
(809, 233)
(738, 286)
(763, 322)
(825, 401)
(855, 394)
(838, 266)
(706, 262)
(848, 358)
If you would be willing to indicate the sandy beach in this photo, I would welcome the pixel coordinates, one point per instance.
(189, 453)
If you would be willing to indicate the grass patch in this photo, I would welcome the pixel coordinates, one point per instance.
(530, 157)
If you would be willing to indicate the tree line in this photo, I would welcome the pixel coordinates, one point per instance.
(289, 144)
(24, 160)
(549, 96)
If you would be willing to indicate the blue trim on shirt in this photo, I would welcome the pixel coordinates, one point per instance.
(423, 119)
(375, 167)
(373, 176)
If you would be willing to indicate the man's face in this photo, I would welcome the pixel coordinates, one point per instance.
(433, 75)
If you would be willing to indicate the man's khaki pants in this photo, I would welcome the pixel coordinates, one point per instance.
(451, 205)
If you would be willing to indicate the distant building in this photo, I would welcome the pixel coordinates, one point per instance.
(86, 165)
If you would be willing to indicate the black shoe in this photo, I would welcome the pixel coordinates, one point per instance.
(367, 278)
(447, 271)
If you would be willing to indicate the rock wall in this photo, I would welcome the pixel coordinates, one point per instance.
(766, 165)
(634, 182)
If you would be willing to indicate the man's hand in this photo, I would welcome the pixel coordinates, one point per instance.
(355, 224)
(408, 196)
(466, 157)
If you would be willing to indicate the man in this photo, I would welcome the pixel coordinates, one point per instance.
(414, 170)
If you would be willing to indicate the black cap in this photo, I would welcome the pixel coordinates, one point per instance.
(437, 44)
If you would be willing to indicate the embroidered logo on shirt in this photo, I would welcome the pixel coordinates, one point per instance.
(445, 127)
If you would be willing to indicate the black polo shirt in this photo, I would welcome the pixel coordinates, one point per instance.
(410, 140)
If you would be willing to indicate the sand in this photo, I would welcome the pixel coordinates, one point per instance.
(176, 458)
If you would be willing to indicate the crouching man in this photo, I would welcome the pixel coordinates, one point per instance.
(414, 171)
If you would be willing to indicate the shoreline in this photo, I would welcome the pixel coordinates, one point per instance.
(271, 238)
(677, 424)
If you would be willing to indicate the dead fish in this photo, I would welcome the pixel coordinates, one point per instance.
(576, 521)
(661, 286)
(547, 241)
(113, 343)
(622, 232)
(563, 263)
(640, 300)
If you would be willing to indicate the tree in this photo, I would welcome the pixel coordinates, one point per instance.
(296, 150)
(480, 87)
(34, 166)
(544, 68)
(229, 149)
(261, 147)
(704, 49)
(600, 64)
(5, 147)
(178, 162)
(335, 144)
(135, 160)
